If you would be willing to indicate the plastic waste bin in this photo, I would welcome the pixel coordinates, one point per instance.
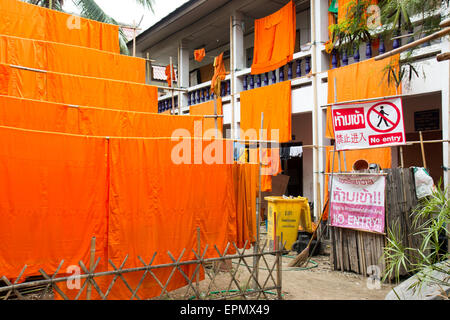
(290, 213)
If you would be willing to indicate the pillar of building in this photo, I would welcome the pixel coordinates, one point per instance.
(183, 71)
(319, 34)
(238, 63)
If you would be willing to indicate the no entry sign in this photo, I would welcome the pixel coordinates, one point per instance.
(368, 125)
(357, 202)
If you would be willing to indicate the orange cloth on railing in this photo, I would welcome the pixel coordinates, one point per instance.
(274, 40)
(70, 59)
(275, 102)
(209, 124)
(363, 80)
(219, 75)
(381, 156)
(29, 21)
(78, 90)
(53, 200)
(168, 76)
(53, 117)
(199, 54)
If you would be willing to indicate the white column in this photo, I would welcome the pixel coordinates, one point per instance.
(238, 47)
(319, 33)
(183, 71)
(237, 62)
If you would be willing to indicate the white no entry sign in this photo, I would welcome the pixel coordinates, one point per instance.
(369, 125)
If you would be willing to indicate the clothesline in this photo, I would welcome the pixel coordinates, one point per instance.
(134, 138)
(67, 44)
(90, 77)
(106, 109)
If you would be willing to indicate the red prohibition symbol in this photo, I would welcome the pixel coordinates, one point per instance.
(382, 116)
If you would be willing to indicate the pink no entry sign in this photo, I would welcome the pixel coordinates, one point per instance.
(357, 202)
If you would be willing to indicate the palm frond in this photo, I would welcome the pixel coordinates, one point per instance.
(146, 4)
(91, 10)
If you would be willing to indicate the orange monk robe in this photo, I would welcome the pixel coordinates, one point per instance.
(199, 54)
(274, 40)
(219, 75)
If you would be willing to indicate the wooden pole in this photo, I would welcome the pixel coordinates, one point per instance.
(215, 118)
(178, 82)
(149, 68)
(422, 150)
(172, 85)
(408, 46)
(134, 38)
(402, 163)
(279, 265)
(341, 246)
(443, 56)
(258, 216)
(91, 268)
(197, 280)
(232, 80)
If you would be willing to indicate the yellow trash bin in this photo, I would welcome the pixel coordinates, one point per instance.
(290, 213)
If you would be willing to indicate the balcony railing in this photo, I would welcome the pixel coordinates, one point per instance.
(299, 67)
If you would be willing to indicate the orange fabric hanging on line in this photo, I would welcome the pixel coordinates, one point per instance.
(53, 117)
(274, 40)
(275, 102)
(63, 58)
(209, 124)
(271, 166)
(56, 26)
(199, 54)
(381, 156)
(56, 57)
(150, 192)
(219, 75)
(246, 187)
(149, 188)
(53, 200)
(78, 90)
(363, 80)
(170, 77)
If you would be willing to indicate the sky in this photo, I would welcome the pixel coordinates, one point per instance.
(128, 11)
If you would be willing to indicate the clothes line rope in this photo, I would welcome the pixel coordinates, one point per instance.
(90, 77)
(98, 108)
(133, 138)
(69, 45)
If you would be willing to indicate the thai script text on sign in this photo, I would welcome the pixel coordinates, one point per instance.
(369, 125)
(357, 202)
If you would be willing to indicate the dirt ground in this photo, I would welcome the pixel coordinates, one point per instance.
(317, 283)
(323, 283)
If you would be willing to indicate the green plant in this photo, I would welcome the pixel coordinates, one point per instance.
(431, 219)
(397, 72)
(91, 10)
(353, 30)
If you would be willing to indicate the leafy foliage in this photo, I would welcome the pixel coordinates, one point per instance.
(397, 17)
(431, 219)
